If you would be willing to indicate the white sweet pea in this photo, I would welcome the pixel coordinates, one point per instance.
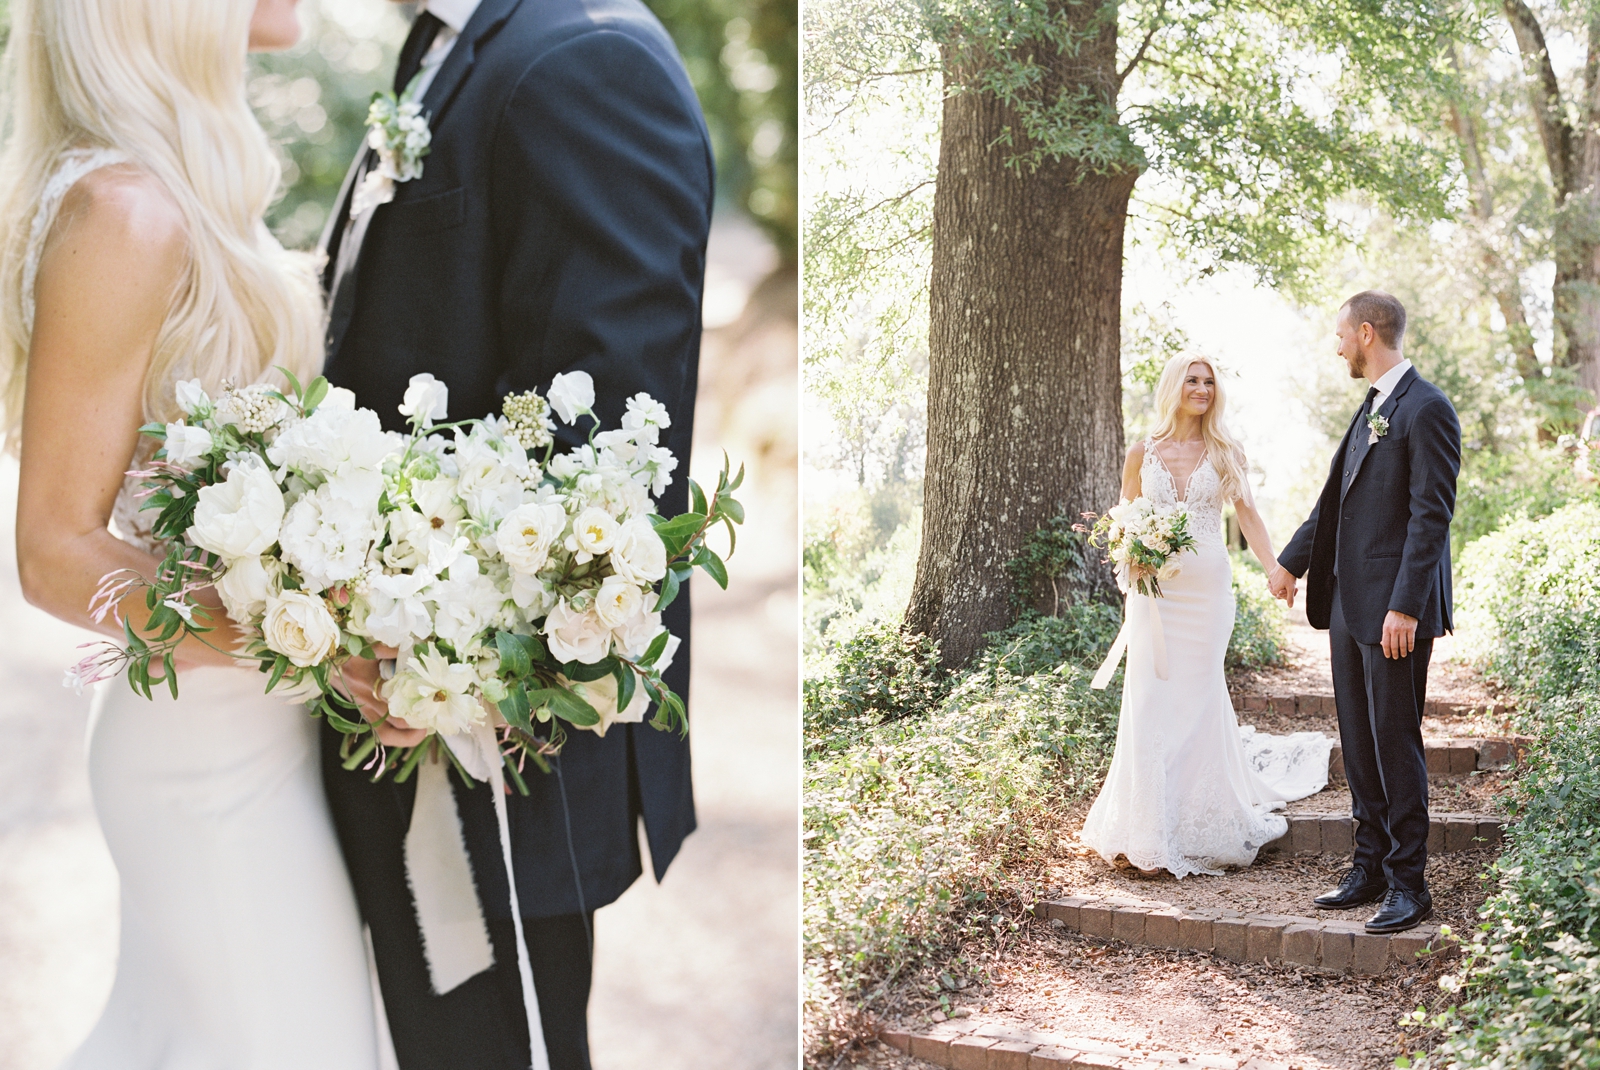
(638, 554)
(465, 604)
(431, 692)
(617, 601)
(187, 446)
(240, 517)
(299, 626)
(593, 533)
(525, 536)
(644, 412)
(397, 612)
(426, 400)
(192, 398)
(571, 394)
(247, 584)
(574, 636)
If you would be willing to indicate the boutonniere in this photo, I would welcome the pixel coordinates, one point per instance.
(1379, 426)
(398, 131)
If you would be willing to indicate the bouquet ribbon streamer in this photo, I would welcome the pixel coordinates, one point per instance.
(1139, 608)
(455, 937)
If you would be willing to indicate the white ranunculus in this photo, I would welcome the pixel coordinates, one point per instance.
(187, 446)
(602, 695)
(247, 584)
(638, 554)
(191, 397)
(299, 626)
(427, 399)
(328, 533)
(574, 636)
(593, 533)
(617, 601)
(570, 394)
(431, 692)
(240, 517)
(526, 535)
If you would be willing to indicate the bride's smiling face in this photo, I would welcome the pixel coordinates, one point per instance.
(274, 26)
(1199, 389)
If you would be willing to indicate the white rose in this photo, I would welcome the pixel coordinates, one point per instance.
(187, 446)
(426, 399)
(192, 397)
(602, 695)
(299, 626)
(638, 554)
(247, 584)
(240, 517)
(634, 636)
(593, 533)
(570, 394)
(525, 536)
(617, 601)
(574, 636)
(431, 692)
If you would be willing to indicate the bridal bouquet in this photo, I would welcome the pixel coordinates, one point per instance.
(523, 588)
(1144, 541)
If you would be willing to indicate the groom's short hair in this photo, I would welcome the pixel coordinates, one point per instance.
(1386, 314)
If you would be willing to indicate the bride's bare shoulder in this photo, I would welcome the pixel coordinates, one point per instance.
(1136, 452)
(122, 210)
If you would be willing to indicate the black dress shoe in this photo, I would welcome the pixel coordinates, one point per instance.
(1401, 910)
(1355, 889)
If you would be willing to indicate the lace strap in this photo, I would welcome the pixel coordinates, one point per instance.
(73, 165)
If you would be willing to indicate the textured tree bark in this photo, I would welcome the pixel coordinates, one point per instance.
(1025, 389)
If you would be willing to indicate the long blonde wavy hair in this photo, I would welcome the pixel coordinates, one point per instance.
(1224, 451)
(163, 81)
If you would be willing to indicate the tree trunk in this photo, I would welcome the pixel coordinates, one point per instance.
(1025, 385)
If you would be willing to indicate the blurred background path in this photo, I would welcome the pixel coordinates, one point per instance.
(700, 971)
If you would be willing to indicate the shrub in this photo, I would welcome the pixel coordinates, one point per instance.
(1258, 619)
(1529, 602)
(1035, 643)
(878, 674)
(1529, 481)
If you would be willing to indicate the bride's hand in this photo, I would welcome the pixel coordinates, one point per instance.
(1282, 584)
(358, 681)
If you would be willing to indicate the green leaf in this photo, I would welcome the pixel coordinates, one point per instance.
(657, 647)
(516, 707)
(293, 382)
(697, 497)
(677, 532)
(280, 665)
(713, 566)
(731, 509)
(733, 535)
(669, 590)
(738, 479)
(565, 705)
(514, 662)
(627, 684)
(315, 392)
(586, 673)
(170, 671)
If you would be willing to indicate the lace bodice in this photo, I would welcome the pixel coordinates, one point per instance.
(1203, 495)
(127, 522)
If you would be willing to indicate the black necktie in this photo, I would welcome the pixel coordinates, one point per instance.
(1367, 405)
(418, 41)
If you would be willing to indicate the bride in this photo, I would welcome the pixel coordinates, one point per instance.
(1182, 794)
(133, 256)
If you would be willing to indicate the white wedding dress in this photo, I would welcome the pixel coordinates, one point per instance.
(1189, 792)
(241, 946)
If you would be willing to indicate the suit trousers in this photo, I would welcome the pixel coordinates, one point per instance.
(1380, 702)
(480, 1023)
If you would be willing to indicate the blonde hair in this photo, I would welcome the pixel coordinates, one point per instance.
(1224, 451)
(163, 81)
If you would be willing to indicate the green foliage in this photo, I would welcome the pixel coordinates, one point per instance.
(1080, 635)
(859, 560)
(1056, 560)
(1258, 618)
(1530, 481)
(879, 674)
(1528, 602)
(1530, 981)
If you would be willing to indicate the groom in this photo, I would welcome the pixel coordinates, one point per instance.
(1376, 557)
(559, 224)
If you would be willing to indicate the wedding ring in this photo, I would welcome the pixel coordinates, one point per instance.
(386, 668)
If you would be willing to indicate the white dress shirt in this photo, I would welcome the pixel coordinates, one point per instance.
(454, 14)
(1387, 382)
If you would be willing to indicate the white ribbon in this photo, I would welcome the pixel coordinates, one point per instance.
(1140, 609)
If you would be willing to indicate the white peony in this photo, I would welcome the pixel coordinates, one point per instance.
(299, 626)
(328, 533)
(638, 554)
(525, 536)
(192, 398)
(247, 584)
(426, 400)
(574, 636)
(334, 441)
(240, 517)
(602, 695)
(618, 601)
(571, 394)
(593, 533)
(431, 692)
(187, 446)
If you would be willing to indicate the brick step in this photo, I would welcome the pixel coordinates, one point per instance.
(1338, 945)
(968, 1044)
(1315, 834)
(1323, 704)
(1448, 756)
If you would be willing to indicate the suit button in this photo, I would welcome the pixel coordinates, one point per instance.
(1349, 516)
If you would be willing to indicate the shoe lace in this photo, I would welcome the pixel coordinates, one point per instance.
(1390, 898)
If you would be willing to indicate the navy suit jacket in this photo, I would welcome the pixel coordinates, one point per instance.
(559, 224)
(1383, 519)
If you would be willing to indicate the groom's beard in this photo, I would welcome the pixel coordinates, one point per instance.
(1358, 363)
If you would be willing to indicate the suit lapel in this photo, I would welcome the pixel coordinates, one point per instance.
(1364, 443)
(343, 238)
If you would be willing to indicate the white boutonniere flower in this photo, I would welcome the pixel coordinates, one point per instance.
(398, 131)
(1379, 427)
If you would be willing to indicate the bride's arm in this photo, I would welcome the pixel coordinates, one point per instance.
(1131, 486)
(106, 279)
(1254, 528)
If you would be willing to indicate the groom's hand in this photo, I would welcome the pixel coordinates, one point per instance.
(1399, 635)
(1282, 585)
